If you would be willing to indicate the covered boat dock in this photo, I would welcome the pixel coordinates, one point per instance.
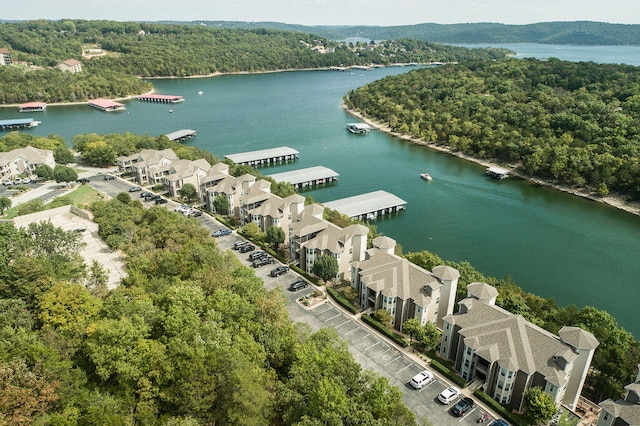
(106, 105)
(368, 206)
(310, 176)
(164, 99)
(33, 107)
(181, 135)
(20, 123)
(264, 157)
(497, 172)
(358, 128)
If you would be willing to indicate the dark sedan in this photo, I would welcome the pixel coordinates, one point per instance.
(462, 406)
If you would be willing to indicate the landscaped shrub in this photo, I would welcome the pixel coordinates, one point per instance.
(514, 419)
(451, 374)
(343, 301)
(396, 337)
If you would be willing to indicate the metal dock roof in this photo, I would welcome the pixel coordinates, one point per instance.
(16, 122)
(263, 154)
(309, 174)
(182, 134)
(363, 204)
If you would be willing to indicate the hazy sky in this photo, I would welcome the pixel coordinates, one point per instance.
(330, 12)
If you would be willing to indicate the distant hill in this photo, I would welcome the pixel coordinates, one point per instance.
(578, 32)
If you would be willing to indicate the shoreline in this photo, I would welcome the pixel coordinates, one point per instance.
(125, 98)
(614, 201)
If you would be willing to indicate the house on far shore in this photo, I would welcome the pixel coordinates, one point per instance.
(5, 56)
(71, 65)
(623, 412)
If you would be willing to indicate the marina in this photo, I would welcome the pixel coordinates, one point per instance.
(264, 157)
(310, 176)
(368, 206)
(358, 128)
(21, 123)
(32, 107)
(106, 105)
(181, 135)
(164, 99)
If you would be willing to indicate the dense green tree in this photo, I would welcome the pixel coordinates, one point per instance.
(413, 328)
(5, 203)
(538, 406)
(64, 174)
(63, 155)
(275, 236)
(44, 172)
(221, 204)
(325, 267)
(188, 191)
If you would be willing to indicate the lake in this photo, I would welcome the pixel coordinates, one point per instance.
(550, 243)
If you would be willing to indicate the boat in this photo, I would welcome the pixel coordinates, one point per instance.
(358, 128)
(426, 176)
(200, 92)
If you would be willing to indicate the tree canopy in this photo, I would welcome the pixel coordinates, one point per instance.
(571, 123)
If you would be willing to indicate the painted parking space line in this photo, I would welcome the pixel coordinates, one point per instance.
(341, 324)
(403, 368)
(369, 347)
(393, 360)
(351, 331)
(467, 415)
(335, 316)
(328, 309)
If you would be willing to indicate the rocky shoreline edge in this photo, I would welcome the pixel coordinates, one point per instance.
(615, 201)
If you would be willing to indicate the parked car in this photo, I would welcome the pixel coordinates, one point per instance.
(298, 285)
(152, 197)
(83, 180)
(7, 182)
(265, 260)
(161, 201)
(421, 379)
(26, 180)
(109, 177)
(499, 422)
(279, 271)
(135, 189)
(449, 394)
(221, 232)
(194, 213)
(183, 208)
(145, 194)
(239, 244)
(256, 255)
(247, 248)
(462, 406)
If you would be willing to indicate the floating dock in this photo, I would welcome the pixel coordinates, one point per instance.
(368, 206)
(20, 123)
(497, 173)
(181, 135)
(32, 107)
(106, 105)
(358, 128)
(311, 176)
(264, 157)
(164, 99)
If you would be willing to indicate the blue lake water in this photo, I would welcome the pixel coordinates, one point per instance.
(550, 243)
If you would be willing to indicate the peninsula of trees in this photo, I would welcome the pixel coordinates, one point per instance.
(113, 54)
(575, 124)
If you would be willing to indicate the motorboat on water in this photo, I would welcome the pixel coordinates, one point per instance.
(426, 176)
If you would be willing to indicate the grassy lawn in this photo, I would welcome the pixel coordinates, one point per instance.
(82, 196)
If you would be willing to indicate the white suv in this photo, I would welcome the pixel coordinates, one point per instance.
(448, 395)
(421, 379)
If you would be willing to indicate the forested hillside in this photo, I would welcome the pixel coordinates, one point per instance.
(572, 123)
(191, 337)
(129, 49)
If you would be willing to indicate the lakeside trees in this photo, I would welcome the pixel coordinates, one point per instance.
(571, 123)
